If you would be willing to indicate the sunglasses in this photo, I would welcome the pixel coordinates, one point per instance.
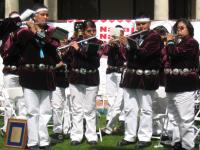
(89, 31)
(181, 28)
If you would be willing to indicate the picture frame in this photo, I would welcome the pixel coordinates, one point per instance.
(16, 133)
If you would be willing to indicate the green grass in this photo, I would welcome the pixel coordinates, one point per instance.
(108, 143)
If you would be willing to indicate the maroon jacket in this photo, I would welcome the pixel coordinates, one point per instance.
(182, 55)
(85, 59)
(116, 57)
(8, 28)
(30, 47)
(146, 57)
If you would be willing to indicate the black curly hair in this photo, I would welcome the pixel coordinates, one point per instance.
(188, 25)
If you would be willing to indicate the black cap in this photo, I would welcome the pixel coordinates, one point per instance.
(59, 33)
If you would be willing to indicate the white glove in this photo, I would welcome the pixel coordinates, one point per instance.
(26, 14)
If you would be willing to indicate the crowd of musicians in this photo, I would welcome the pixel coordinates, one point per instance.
(45, 65)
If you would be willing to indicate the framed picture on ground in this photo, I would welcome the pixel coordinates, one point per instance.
(16, 133)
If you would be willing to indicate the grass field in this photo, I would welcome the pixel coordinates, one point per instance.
(108, 143)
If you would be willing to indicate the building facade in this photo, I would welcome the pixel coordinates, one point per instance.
(108, 9)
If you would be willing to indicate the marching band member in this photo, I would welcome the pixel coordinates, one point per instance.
(60, 102)
(38, 56)
(181, 60)
(140, 79)
(84, 85)
(115, 61)
(9, 28)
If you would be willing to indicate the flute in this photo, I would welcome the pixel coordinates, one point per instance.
(81, 41)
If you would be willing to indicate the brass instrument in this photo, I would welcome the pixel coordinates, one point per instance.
(127, 36)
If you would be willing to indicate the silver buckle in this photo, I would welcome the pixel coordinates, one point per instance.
(147, 72)
(175, 71)
(186, 71)
(139, 72)
(13, 68)
(82, 71)
(41, 66)
(27, 65)
(154, 72)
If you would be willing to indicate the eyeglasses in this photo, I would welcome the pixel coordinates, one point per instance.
(181, 28)
(89, 31)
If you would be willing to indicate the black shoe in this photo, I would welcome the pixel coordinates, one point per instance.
(166, 141)
(3, 133)
(47, 147)
(166, 138)
(75, 143)
(36, 147)
(177, 146)
(57, 138)
(124, 143)
(142, 144)
(92, 142)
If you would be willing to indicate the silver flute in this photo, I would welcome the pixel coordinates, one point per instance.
(81, 41)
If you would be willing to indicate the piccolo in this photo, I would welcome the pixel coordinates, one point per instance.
(81, 41)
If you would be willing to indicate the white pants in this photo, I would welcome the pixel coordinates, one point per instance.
(83, 105)
(115, 98)
(67, 116)
(39, 114)
(60, 106)
(181, 105)
(9, 81)
(136, 100)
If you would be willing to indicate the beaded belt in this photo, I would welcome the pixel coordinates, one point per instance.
(177, 71)
(40, 66)
(143, 72)
(84, 71)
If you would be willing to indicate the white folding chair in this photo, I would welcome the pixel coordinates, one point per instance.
(101, 98)
(197, 115)
(164, 127)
